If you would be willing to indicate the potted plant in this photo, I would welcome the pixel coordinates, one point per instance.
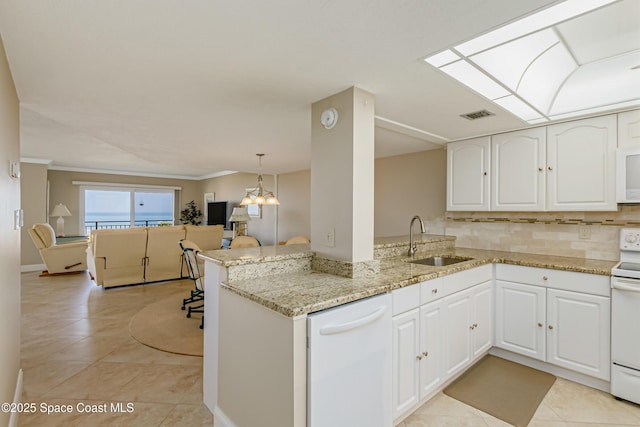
(191, 214)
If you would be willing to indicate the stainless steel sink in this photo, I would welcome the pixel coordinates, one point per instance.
(440, 261)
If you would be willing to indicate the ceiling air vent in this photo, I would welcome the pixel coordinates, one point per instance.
(477, 115)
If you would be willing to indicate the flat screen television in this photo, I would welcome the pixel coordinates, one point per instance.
(217, 214)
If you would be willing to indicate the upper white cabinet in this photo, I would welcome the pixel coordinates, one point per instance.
(581, 165)
(518, 173)
(629, 128)
(563, 167)
(468, 174)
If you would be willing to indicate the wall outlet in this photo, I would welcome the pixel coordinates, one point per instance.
(330, 238)
(584, 232)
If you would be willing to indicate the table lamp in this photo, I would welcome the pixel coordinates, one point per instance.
(60, 211)
(239, 218)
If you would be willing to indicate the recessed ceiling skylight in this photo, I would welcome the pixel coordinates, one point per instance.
(529, 67)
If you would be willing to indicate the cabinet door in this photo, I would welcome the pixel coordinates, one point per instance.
(482, 335)
(581, 165)
(431, 372)
(518, 170)
(578, 335)
(406, 347)
(468, 175)
(520, 318)
(458, 310)
(629, 128)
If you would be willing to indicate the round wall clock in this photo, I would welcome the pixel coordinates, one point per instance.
(329, 118)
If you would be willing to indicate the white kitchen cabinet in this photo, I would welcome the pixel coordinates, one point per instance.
(406, 350)
(417, 355)
(518, 170)
(559, 317)
(468, 326)
(578, 332)
(581, 165)
(468, 171)
(457, 324)
(430, 357)
(629, 128)
(562, 167)
(422, 333)
(520, 318)
(482, 335)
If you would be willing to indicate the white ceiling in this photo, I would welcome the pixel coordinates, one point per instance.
(192, 88)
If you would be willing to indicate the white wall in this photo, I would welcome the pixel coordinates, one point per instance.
(9, 238)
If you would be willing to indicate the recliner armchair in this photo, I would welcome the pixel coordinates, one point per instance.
(64, 258)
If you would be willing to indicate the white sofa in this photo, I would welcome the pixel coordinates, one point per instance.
(118, 257)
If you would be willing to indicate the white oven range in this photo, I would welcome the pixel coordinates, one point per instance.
(625, 318)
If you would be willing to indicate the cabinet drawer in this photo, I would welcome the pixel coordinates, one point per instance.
(594, 284)
(405, 299)
(466, 279)
(430, 290)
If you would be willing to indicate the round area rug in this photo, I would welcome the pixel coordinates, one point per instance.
(164, 326)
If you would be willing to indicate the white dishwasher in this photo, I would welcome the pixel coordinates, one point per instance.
(349, 365)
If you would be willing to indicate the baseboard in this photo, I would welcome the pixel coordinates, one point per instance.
(32, 267)
(17, 397)
(220, 419)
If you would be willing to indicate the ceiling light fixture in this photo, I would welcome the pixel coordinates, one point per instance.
(527, 68)
(258, 195)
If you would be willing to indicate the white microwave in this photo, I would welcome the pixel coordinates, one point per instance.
(628, 174)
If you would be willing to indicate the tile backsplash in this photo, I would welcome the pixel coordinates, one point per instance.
(578, 234)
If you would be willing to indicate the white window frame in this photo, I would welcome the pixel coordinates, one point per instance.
(130, 188)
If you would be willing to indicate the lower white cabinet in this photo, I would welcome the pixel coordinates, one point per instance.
(417, 355)
(468, 326)
(564, 327)
(578, 332)
(406, 345)
(520, 318)
(433, 329)
(430, 357)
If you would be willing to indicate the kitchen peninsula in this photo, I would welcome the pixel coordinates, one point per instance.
(255, 361)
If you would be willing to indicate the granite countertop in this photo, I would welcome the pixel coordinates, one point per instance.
(246, 256)
(300, 293)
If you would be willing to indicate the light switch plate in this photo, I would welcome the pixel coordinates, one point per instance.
(18, 219)
(330, 238)
(14, 169)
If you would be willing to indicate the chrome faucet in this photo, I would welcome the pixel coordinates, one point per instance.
(412, 246)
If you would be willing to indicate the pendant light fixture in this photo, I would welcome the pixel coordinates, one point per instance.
(258, 195)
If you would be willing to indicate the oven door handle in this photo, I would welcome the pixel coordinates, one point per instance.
(626, 285)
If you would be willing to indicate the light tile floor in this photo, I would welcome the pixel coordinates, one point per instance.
(76, 348)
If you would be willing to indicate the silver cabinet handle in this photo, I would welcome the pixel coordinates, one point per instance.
(539, 325)
(419, 357)
(434, 291)
(550, 327)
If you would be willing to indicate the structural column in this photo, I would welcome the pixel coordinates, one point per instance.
(342, 179)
